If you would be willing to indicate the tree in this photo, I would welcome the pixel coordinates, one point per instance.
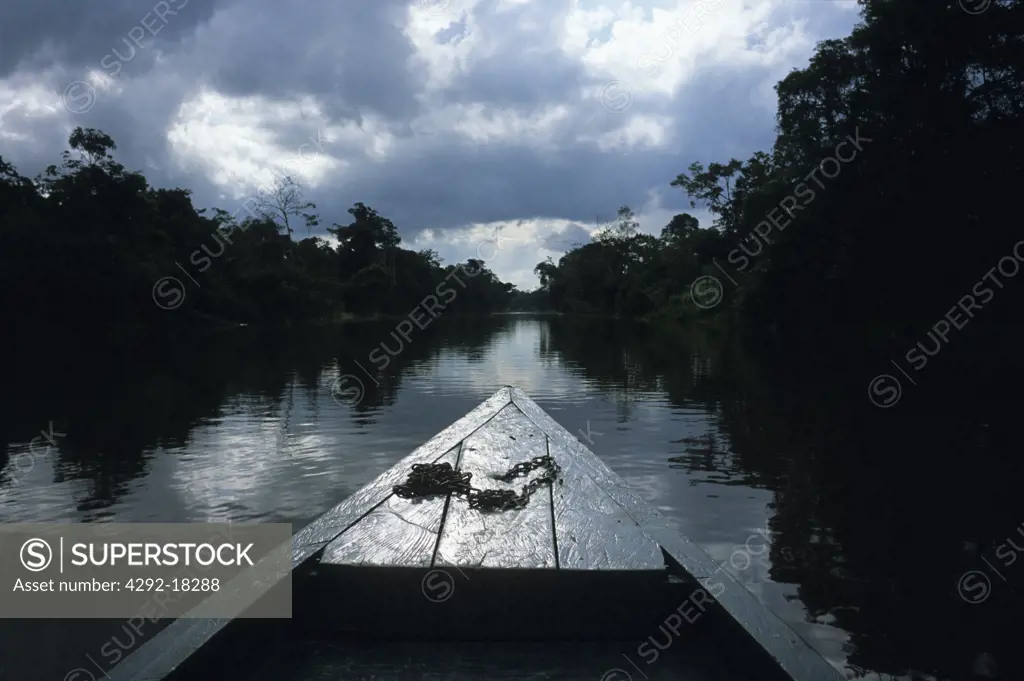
(680, 230)
(369, 231)
(431, 257)
(369, 241)
(545, 271)
(713, 187)
(624, 227)
(282, 203)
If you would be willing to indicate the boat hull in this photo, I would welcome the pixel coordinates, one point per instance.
(585, 566)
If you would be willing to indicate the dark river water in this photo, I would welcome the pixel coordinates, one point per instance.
(852, 523)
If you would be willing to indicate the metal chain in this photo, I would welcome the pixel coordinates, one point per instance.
(429, 479)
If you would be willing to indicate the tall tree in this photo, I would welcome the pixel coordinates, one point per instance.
(283, 203)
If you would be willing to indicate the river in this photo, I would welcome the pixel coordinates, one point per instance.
(852, 523)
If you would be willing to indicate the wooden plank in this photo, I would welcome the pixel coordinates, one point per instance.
(794, 655)
(522, 538)
(399, 532)
(344, 515)
(592, 532)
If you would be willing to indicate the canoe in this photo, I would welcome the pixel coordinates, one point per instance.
(575, 578)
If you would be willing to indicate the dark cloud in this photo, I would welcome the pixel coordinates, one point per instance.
(563, 241)
(462, 183)
(356, 59)
(35, 34)
(352, 55)
(456, 185)
(521, 80)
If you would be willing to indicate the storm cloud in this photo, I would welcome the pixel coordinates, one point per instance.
(450, 117)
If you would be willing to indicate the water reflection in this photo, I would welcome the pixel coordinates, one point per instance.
(850, 523)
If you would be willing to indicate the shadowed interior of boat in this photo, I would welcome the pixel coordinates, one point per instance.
(669, 632)
(408, 661)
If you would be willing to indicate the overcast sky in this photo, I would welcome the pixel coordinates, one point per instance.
(451, 117)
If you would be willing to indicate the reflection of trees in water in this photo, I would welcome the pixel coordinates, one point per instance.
(869, 509)
(607, 355)
(117, 405)
(874, 507)
(462, 337)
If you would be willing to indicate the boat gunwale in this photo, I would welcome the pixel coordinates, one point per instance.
(161, 656)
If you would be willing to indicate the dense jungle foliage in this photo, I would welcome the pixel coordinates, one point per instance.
(93, 245)
(887, 201)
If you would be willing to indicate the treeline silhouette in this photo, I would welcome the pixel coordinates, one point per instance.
(885, 209)
(92, 245)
